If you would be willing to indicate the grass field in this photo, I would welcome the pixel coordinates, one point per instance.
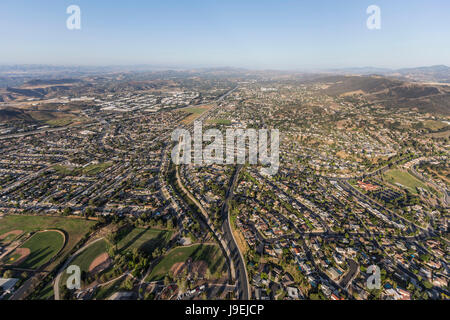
(145, 240)
(85, 258)
(405, 179)
(194, 113)
(210, 254)
(74, 228)
(220, 121)
(90, 170)
(43, 247)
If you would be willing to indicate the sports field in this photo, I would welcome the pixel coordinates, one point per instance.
(36, 251)
(74, 229)
(87, 258)
(145, 240)
(209, 254)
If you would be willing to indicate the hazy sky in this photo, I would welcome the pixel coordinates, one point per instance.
(279, 34)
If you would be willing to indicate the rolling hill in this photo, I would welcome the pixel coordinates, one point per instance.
(392, 93)
(12, 114)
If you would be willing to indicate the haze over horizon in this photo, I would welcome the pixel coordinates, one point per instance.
(293, 35)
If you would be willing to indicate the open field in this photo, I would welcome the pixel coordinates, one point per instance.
(61, 122)
(403, 178)
(38, 250)
(52, 118)
(194, 113)
(90, 170)
(74, 228)
(434, 125)
(145, 240)
(209, 254)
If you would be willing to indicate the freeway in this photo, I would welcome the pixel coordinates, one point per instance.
(237, 264)
(237, 258)
(204, 217)
(46, 130)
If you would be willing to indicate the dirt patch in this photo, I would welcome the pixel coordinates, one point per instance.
(18, 256)
(198, 267)
(177, 268)
(342, 155)
(100, 263)
(14, 232)
(352, 93)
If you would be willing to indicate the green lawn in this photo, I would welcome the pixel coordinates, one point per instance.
(145, 240)
(85, 258)
(220, 121)
(211, 254)
(43, 246)
(405, 179)
(93, 169)
(90, 170)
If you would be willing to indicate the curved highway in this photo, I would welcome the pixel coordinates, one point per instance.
(236, 255)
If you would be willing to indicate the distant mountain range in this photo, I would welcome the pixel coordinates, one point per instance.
(438, 73)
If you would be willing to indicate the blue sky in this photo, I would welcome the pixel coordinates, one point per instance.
(280, 34)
